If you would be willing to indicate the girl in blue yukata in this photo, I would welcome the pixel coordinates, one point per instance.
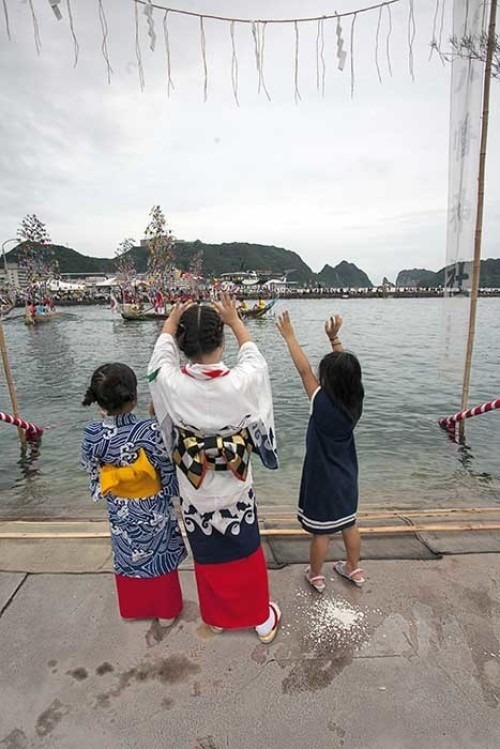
(328, 499)
(129, 467)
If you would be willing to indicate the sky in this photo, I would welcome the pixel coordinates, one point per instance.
(331, 177)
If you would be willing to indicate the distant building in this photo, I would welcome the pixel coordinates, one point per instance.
(13, 276)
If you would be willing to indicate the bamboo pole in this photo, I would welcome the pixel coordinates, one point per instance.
(391, 530)
(476, 268)
(10, 383)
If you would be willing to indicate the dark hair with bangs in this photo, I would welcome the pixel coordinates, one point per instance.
(340, 378)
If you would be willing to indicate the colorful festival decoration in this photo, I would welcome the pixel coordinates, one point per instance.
(156, 13)
(161, 243)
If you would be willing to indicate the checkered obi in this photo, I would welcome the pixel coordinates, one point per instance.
(195, 455)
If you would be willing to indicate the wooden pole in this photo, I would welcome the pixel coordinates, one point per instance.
(476, 268)
(10, 383)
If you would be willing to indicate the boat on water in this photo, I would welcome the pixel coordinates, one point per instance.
(39, 318)
(134, 312)
(5, 309)
(255, 313)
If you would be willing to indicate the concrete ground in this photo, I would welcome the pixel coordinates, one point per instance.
(410, 661)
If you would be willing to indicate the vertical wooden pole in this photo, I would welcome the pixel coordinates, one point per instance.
(10, 383)
(476, 267)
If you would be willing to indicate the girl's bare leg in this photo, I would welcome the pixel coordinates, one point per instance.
(317, 554)
(352, 542)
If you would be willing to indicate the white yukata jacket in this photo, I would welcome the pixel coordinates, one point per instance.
(193, 399)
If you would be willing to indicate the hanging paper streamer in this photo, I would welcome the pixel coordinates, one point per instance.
(73, 33)
(352, 54)
(412, 30)
(465, 124)
(297, 95)
(138, 55)
(258, 29)
(341, 53)
(170, 83)
(148, 12)
(54, 4)
(36, 29)
(259, 40)
(104, 45)
(203, 43)
(234, 64)
(388, 43)
(6, 17)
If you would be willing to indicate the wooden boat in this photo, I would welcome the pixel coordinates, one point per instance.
(5, 309)
(255, 314)
(135, 312)
(39, 319)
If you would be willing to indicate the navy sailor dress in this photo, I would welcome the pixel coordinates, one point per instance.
(328, 499)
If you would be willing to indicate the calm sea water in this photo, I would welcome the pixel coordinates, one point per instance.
(404, 457)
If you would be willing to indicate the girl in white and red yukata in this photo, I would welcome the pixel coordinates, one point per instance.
(212, 418)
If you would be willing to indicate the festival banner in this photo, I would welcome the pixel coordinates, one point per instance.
(464, 147)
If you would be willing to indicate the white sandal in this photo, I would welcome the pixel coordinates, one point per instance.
(340, 569)
(318, 582)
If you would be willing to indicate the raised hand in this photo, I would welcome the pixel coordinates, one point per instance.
(332, 326)
(285, 327)
(226, 307)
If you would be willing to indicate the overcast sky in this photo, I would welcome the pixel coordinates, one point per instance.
(332, 178)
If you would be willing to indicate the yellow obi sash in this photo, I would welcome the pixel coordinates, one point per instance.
(136, 481)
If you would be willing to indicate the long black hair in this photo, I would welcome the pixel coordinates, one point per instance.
(340, 378)
(112, 386)
(200, 331)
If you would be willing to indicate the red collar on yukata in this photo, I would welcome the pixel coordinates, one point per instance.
(205, 371)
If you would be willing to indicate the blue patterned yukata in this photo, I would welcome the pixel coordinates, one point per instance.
(145, 536)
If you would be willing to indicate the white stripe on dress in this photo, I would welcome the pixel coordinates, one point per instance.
(325, 525)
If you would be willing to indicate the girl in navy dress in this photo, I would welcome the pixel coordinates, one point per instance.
(329, 488)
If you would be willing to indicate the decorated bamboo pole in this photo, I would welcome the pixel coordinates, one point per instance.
(476, 268)
(450, 422)
(10, 383)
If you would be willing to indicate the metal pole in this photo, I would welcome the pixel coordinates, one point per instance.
(476, 268)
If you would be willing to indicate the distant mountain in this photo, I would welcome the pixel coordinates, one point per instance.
(217, 259)
(233, 257)
(411, 279)
(344, 275)
(71, 261)
(489, 278)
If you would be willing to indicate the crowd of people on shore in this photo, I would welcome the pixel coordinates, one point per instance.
(206, 422)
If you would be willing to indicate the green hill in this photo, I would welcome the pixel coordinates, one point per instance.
(415, 277)
(419, 277)
(344, 275)
(70, 261)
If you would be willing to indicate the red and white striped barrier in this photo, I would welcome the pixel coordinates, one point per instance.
(33, 432)
(449, 422)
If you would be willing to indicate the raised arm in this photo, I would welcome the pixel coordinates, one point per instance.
(302, 365)
(226, 308)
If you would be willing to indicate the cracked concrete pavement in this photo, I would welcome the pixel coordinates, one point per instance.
(410, 661)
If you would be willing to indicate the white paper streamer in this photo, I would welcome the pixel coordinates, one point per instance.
(341, 53)
(6, 16)
(148, 12)
(170, 83)
(54, 4)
